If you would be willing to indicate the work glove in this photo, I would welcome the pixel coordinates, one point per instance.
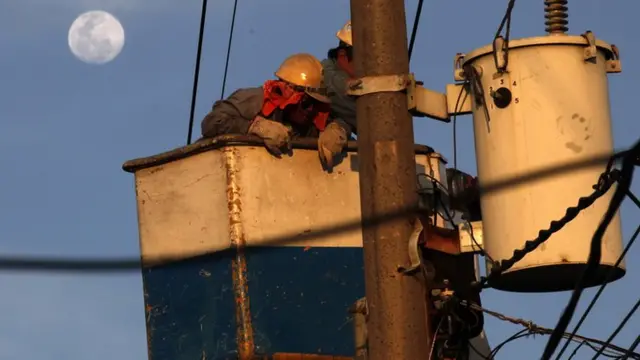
(330, 143)
(276, 136)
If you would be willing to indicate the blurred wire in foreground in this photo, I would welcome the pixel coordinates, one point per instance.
(86, 264)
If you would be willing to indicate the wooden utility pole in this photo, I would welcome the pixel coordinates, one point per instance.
(398, 324)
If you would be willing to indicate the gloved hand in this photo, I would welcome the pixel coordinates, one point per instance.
(276, 136)
(330, 143)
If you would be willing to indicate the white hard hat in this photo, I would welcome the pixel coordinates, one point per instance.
(345, 34)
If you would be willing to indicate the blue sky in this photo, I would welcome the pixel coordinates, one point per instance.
(67, 127)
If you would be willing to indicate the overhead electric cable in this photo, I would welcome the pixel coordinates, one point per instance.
(624, 184)
(532, 328)
(622, 324)
(607, 279)
(226, 63)
(414, 31)
(633, 347)
(196, 73)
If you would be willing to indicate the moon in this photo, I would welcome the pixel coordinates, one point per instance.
(96, 37)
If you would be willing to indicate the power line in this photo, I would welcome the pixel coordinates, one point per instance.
(624, 184)
(196, 73)
(608, 353)
(414, 31)
(600, 290)
(633, 346)
(35, 263)
(620, 327)
(532, 328)
(226, 64)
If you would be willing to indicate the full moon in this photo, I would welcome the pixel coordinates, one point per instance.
(96, 37)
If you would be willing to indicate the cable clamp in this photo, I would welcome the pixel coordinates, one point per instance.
(383, 83)
(415, 255)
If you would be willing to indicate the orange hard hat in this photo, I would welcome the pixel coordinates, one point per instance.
(305, 71)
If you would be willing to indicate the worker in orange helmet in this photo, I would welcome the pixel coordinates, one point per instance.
(294, 105)
(338, 69)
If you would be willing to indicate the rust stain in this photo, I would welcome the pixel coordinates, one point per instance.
(148, 309)
(307, 248)
(156, 169)
(244, 331)
(441, 239)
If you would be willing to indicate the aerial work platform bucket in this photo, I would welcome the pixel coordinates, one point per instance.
(289, 288)
(543, 103)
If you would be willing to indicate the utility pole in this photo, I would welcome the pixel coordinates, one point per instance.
(398, 322)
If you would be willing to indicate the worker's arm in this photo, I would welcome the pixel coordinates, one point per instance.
(233, 115)
(343, 106)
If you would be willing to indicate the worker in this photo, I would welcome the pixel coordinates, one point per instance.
(295, 105)
(338, 69)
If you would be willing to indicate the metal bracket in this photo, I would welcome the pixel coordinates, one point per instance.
(415, 257)
(458, 71)
(613, 65)
(591, 50)
(443, 240)
(376, 84)
(458, 99)
(360, 312)
(471, 236)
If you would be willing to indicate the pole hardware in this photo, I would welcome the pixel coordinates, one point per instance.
(613, 64)
(375, 84)
(415, 251)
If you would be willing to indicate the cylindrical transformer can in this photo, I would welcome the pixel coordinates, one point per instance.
(548, 108)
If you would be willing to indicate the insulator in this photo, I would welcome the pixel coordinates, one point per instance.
(557, 13)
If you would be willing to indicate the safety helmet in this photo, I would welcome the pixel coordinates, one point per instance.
(304, 71)
(345, 34)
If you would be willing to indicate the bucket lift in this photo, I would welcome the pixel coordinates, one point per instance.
(239, 256)
(537, 103)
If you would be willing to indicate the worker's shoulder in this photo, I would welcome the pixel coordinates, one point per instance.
(328, 64)
(248, 92)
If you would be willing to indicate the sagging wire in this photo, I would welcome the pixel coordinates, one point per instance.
(622, 324)
(607, 279)
(518, 335)
(532, 328)
(226, 63)
(472, 75)
(595, 252)
(506, 21)
(433, 341)
(577, 348)
(196, 73)
(633, 347)
(475, 350)
(414, 31)
(454, 121)
(451, 221)
(608, 354)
